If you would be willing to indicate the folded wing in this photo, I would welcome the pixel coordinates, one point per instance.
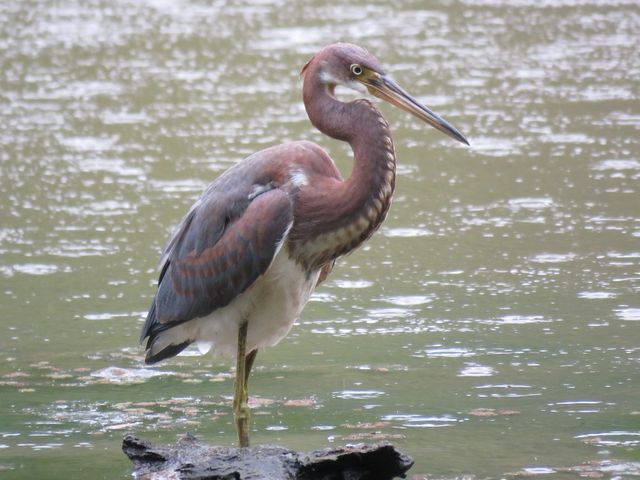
(226, 241)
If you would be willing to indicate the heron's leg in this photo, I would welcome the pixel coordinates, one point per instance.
(241, 395)
(251, 356)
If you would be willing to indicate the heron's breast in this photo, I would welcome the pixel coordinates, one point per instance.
(280, 296)
(315, 244)
(271, 306)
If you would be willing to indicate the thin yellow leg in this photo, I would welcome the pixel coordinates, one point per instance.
(241, 396)
(251, 356)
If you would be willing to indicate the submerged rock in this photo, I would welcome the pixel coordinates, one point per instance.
(193, 460)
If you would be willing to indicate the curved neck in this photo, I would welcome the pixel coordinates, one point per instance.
(358, 123)
(344, 214)
(329, 115)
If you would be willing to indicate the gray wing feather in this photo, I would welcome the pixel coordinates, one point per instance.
(224, 243)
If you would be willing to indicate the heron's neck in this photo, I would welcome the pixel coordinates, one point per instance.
(360, 124)
(359, 204)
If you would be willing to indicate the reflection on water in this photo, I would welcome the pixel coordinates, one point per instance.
(421, 421)
(494, 316)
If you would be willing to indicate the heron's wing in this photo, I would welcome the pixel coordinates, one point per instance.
(221, 247)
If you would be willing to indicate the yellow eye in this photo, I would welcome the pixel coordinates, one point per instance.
(356, 69)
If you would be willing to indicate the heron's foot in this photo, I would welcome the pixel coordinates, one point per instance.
(242, 416)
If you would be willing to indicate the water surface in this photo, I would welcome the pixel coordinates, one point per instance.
(490, 328)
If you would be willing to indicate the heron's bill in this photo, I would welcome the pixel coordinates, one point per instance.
(386, 89)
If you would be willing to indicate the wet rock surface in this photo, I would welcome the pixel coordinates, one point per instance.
(191, 459)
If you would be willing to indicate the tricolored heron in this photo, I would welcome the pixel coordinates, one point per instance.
(242, 263)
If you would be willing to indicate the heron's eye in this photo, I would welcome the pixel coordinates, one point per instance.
(356, 69)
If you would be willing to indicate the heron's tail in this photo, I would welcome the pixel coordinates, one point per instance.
(163, 341)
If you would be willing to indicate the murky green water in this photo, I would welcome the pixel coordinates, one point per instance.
(491, 327)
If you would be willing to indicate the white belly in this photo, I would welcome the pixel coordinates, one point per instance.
(271, 306)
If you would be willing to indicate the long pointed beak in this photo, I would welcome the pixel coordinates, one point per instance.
(388, 90)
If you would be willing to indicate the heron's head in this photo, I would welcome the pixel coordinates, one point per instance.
(354, 67)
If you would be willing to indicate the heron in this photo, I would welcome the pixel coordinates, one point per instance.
(243, 262)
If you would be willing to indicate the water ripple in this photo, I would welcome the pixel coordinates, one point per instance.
(421, 421)
(358, 394)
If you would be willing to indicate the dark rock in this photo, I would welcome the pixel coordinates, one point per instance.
(190, 459)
